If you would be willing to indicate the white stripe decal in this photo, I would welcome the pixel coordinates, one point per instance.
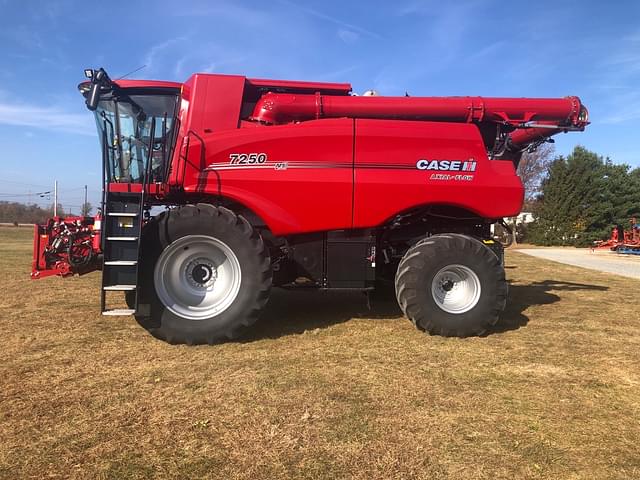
(286, 165)
(277, 165)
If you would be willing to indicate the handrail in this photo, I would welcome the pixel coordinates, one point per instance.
(186, 153)
(147, 173)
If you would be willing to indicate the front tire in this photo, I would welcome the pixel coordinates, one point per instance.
(206, 274)
(451, 285)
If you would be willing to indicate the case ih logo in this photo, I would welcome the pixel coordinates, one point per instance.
(447, 165)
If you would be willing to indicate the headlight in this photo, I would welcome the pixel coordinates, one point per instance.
(583, 116)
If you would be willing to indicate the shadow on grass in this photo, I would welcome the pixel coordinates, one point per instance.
(522, 297)
(294, 312)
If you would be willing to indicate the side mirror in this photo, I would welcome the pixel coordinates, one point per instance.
(99, 79)
(94, 97)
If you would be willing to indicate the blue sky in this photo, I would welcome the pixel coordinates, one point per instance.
(480, 47)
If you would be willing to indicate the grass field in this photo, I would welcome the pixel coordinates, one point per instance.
(323, 388)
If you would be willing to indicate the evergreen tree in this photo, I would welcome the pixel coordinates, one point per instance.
(552, 225)
(623, 195)
(583, 197)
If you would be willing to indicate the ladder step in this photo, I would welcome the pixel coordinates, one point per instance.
(119, 288)
(119, 311)
(121, 262)
(123, 239)
(122, 214)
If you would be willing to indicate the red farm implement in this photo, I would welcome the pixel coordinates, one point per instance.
(623, 241)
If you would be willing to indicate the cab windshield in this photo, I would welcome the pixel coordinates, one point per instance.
(137, 135)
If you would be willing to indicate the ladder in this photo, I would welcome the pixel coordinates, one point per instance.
(123, 216)
(122, 226)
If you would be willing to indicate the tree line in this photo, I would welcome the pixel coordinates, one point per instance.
(580, 198)
(14, 212)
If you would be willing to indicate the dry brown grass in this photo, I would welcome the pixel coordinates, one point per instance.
(323, 388)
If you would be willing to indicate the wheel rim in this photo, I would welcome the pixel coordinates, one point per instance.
(456, 289)
(197, 277)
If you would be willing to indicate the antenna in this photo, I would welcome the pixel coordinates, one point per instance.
(131, 72)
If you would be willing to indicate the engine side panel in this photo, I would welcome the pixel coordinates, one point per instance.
(298, 178)
(400, 165)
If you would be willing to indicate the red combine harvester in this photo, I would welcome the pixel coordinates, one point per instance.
(298, 184)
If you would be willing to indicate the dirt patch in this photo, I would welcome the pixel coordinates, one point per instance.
(323, 387)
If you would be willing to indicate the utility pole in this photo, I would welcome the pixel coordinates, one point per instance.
(55, 198)
(84, 206)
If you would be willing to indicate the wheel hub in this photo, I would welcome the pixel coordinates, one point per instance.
(201, 273)
(447, 285)
(197, 277)
(456, 289)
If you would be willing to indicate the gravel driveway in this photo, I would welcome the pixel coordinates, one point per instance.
(602, 260)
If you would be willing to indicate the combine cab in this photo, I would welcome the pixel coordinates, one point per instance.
(270, 183)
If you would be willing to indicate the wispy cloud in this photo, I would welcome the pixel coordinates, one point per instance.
(416, 7)
(210, 58)
(614, 82)
(623, 107)
(151, 57)
(348, 36)
(47, 118)
(22, 37)
(49, 12)
(331, 19)
(178, 70)
(625, 61)
(233, 13)
(490, 50)
(445, 25)
(337, 75)
(218, 66)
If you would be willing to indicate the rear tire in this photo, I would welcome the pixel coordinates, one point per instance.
(206, 274)
(451, 285)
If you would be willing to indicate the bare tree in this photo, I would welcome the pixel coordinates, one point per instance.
(533, 167)
(86, 209)
(60, 210)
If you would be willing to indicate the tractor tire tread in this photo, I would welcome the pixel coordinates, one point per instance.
(419, 259)
(238, 225)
